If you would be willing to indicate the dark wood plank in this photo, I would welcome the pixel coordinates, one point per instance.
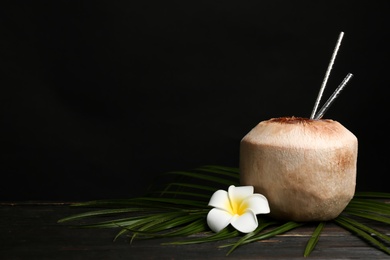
(31, 231)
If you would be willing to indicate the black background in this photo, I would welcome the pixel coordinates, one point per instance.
(97, 97)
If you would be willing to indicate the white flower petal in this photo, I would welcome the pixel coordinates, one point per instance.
(257, 203)
(220, 200)
(238, 194)
(245, 223)
(218, 219)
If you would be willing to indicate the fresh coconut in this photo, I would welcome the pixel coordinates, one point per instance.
(306, 168)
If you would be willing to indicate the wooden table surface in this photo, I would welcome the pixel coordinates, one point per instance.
(30, 231)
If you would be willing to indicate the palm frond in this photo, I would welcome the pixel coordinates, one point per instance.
(226, 233)
(365, 228)
(361, 233)
(311, 244)
(103, 212)
(246, 237)
(207, 177)
(274, 232)
(374, 195)
(176, 205)
(369, 205)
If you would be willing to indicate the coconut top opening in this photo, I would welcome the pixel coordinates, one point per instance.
(291, 120)
(300, 132)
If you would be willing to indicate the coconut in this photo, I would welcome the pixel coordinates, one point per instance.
(306, 168)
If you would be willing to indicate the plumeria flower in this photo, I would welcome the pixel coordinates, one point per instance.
(238, 206)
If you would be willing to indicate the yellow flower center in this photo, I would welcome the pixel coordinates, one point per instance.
(237, 207)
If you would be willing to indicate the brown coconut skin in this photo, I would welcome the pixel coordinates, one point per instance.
(306, 168)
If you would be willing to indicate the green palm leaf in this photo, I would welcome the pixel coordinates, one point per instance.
(361, 233)
(226, 233)
(369, 206)
(188, 185)
(177, 205)
(365, 228)
(313, 239)
(192, 228)
(276, 231)
(206, 177)
(103, 212)
(375, 195)
(245, 238)
(370, 216)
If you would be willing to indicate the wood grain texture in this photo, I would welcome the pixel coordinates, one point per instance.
(31, 231)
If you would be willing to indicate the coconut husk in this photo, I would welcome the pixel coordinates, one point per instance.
(306, 168)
